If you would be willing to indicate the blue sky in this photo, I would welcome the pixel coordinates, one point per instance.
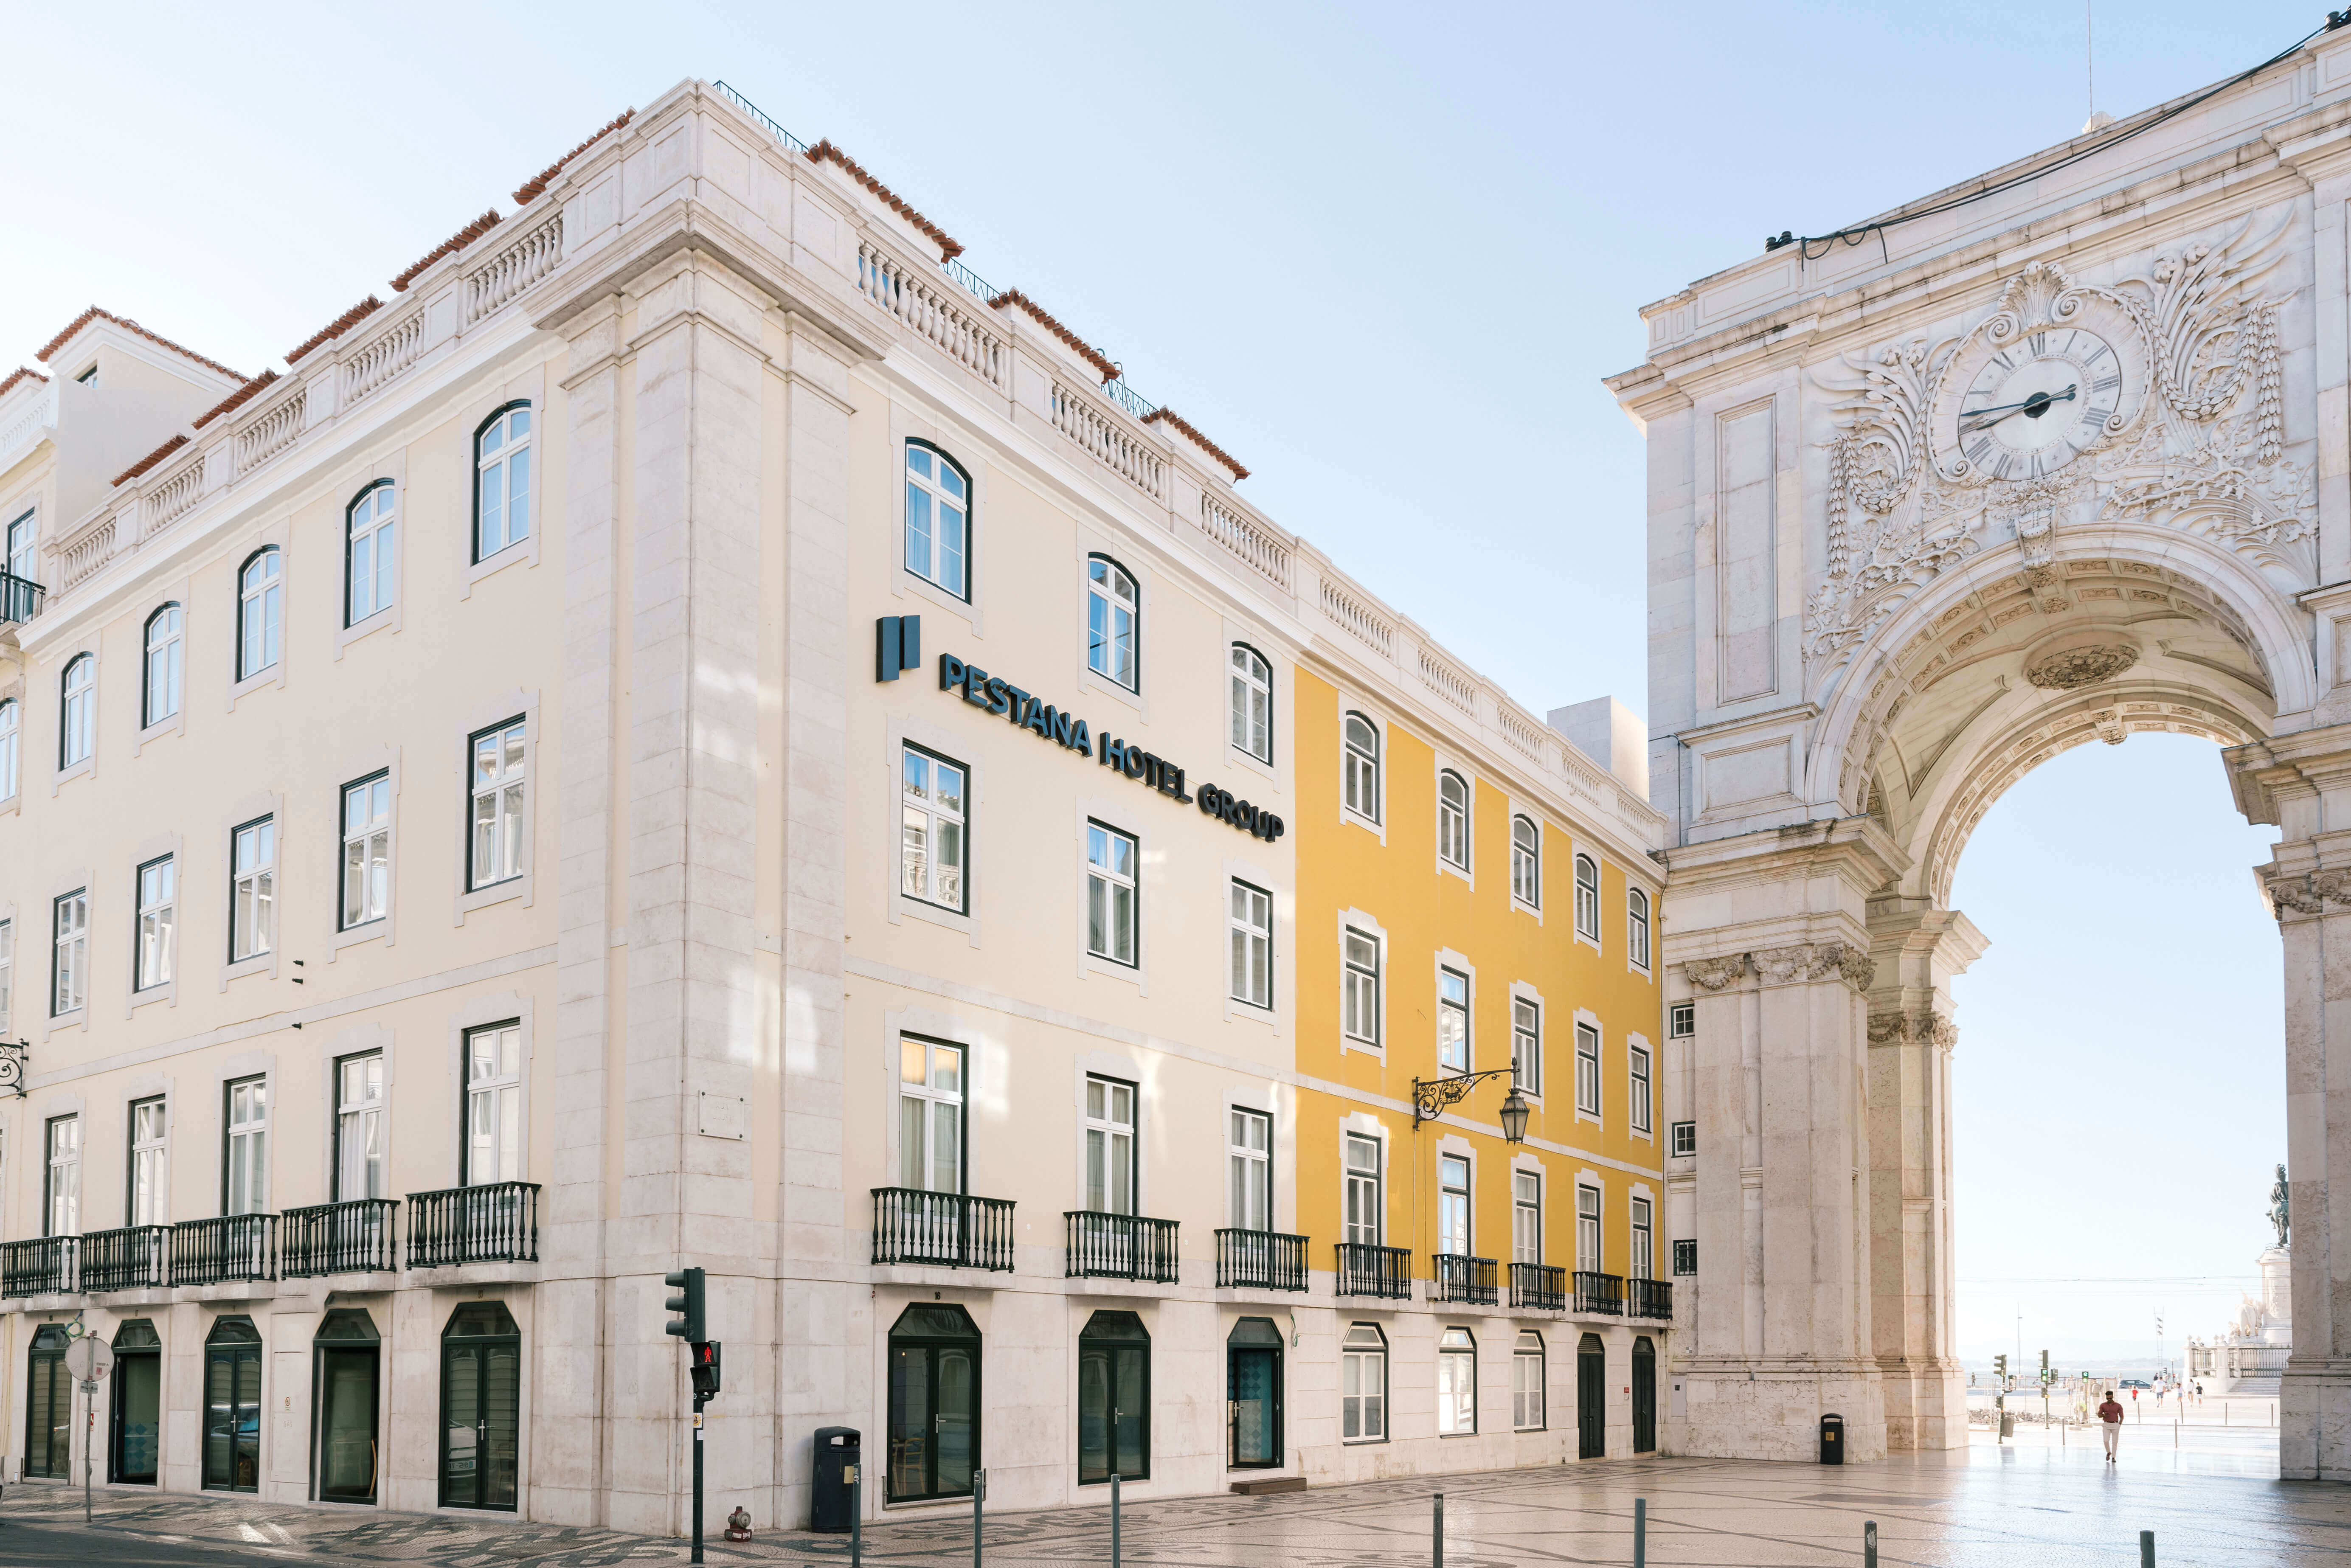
(1383, 254)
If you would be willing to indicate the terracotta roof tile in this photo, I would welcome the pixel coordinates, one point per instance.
(235, 400)
(1178, 422)
(529, 191)
(93, 313)
(1078, 345)
(18, 375)
(336, 327)
(450, 247)
(152, 458)
(824, 152)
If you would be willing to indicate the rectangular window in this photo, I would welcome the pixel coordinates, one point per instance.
(1359, 997)
(1684, 1138)
(70, 977)
(1526, 1046)
(61, 1208)
(1587, 1229)
(497, 848)
(148, 1206)
(1362, 1178)
(1587, 1070)
(247, 1152)
(1249, 928)
(493, 1105)
(1638, 1057)
(1109, 1145)
(367, 851)
(359, 1127)
(1456, 1383)
(1453, 1206)
(7, 973)
(1526, 1218)
(157, 923)
(933, 844)
(1681, 1021)
(1452, 1020)
(1527, 1383)
(253, 889)
(1684, 1257)
(1111, 893)
(1249, 1161)
(1636, 926)
(930, 1116)
(1641, 1264)
(1363, 1385)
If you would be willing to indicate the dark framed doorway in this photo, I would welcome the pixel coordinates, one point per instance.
(345, 1378)
(1114, 1398)
(481, 1407)
(233, 1406)
(1253, 1394)
(135, 1454)
(48, 1406)
(1591, 1399)
(933, 1414)
(1645, 1396)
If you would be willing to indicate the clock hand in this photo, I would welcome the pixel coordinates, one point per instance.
(2008, 411)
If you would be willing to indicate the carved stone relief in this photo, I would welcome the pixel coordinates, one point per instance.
(1913, 1029)
(1714, 974)
(1814, 961)
(2083, 666)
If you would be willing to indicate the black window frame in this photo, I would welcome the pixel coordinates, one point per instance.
(46, 1357)
(1683, 1147)
(237, 650)
(142, 1340)
(229, 1086)
(465, 784)
(474, 480)
(1134, 582)
(1271, 707)
(48, 1175)
(224, 1342)
(1684, 1257)
(479, 1345)
(148, 718)
(1533, 901)
(1468, 816)
(970, 523)
(321, 1346)
(56, 929)
(270, 818)
(977, 1345)
(65, 696)
(1681, 1021)
(1117, 1393)
(1136, 842)
(130, 1151)
(1263, 1341)
(963, 881)
(342, 830)
(139, 980)
(335, 1065)
(350, 508)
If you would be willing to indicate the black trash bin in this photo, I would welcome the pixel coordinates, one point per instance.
(1832, 1439)
(831, 1508)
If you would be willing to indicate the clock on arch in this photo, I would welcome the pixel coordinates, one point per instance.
(2034, 404)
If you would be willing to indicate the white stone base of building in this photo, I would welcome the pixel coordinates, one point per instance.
(1772, 1409)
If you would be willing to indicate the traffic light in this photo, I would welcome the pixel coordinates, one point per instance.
(1998, 1365)
(705, 1367)
(2045, 1374)
(687, 1282)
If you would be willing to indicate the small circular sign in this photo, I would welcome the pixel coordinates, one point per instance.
(89, 1359)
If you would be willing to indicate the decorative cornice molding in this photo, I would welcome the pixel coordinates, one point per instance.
(1809, 961)
(1928, 1027)
(1714, 974)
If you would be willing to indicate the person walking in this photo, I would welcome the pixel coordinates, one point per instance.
(2110, 1423)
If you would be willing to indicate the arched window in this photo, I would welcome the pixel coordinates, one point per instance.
(1456, 1383)
(1636, 921)
(78, 731)
(934, 1403)
(1527, 1383)
(1587, 897)
(1113, 622)
(1362, 762)
(371, 553)
(163, 666)
(1252, 686)
(11, 736)
(1453, 819)
(1363, 1384)
(1526, 862)
(481, 1406)
(260, 611)
(939, 520)
(1114, 1398)
(501, 481)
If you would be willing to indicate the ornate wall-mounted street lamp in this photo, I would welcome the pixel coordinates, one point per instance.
(1430, 1096)
(12, 1065)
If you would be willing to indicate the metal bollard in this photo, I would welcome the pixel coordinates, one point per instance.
(2147, 1549)
(1640, 1532)
(1439, 1559)
(856, 1516)
(1869, 1544)
(1113, 1521)
(978, 1496)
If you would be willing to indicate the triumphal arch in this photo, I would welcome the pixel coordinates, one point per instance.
(2052, 457)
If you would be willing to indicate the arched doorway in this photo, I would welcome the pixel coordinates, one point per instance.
(934, 1414)
(49, 1405)
(1253, 1394)
(1645, 1396)
(1114, 1398)
(232, 1405)
(344, 1383)
(137, 1397)
(1590, 1399)
(481, 1407)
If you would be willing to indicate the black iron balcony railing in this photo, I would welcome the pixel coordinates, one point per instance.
(1649, 1299)
(943, 1230)
(354, 1237)
(20, 598)
(1120, 1247)
(136, 1258)
(497, 1222)
(230, 1246)
(1538, 1286)
(1368, 1271)
(1260, 1261)
(1600, 1293)
(1461, 1278)
(41, 1267)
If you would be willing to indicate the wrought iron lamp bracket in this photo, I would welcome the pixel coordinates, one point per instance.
(12, 1065)
(1430, 1096)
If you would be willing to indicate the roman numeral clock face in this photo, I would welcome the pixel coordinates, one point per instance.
(2034, 405)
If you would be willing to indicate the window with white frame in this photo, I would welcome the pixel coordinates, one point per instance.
(1526, 1045)
(61, 1206)
(148, 1165)
(939, 520)
(1587, 1229)
(494, 1104)
(1361, 763)
(1452, 1020)
(11, 748)
(7, 973)
(1252, 697)
(166, 666)
(502, 484)
(1113, 618)
(23, 534)
(1453, 1206)
(1636, 926)
(69, 975)
(1363, 1384)
(1587, 1069)
(367, 851)
(1456, 1383)
(77, 711)
(1360, 987)
(370, 554)
(359, 1127)
(1587, 897)
(1363, 1180)
(1637, 1059)
(1112, 893)
(1684, 1138)
(1109, 1145)
(494, 853)
(1249, 927)
(1527, 1383)
(934, 846)
(260, 611)
(1526, 862)
(1640, 1266)
(1681, 1021)
(1526, 1218)
(1453, 819)
(930, 1114)
(247, 1154)
(157, 923)
(253, 889)
(1249, 1159)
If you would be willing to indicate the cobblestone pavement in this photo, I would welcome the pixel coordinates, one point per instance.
(1987, 1505)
